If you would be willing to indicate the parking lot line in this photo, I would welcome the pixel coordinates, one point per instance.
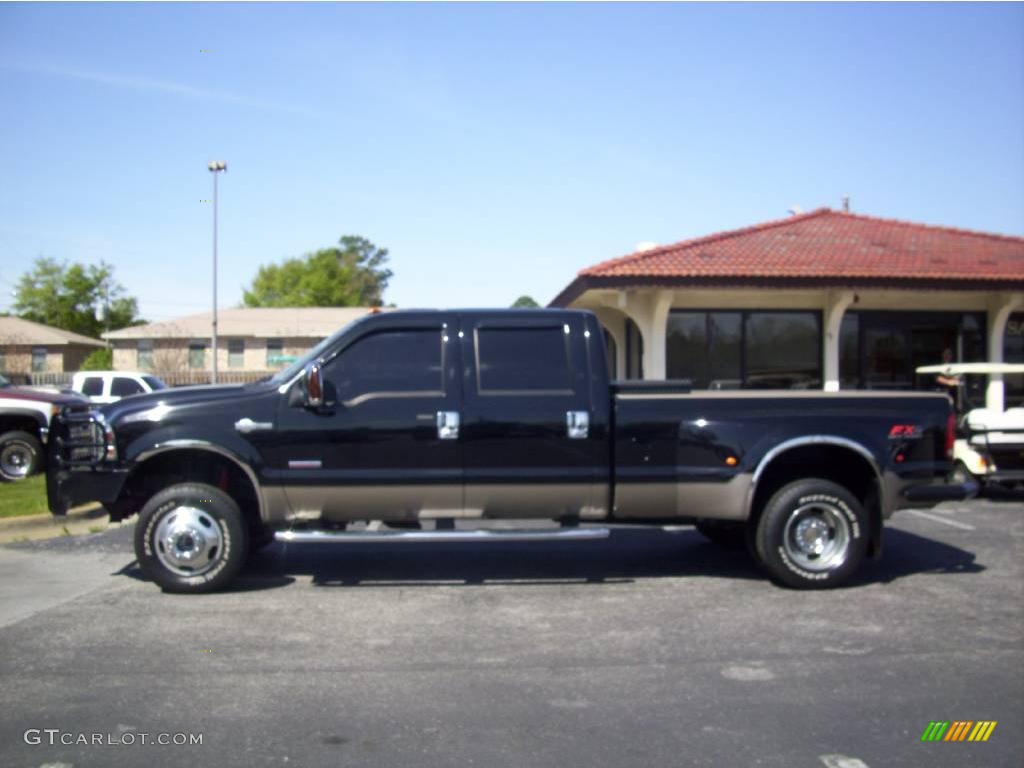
(937, 519)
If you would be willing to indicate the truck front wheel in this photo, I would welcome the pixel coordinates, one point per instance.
(190, 537)
(813, 534)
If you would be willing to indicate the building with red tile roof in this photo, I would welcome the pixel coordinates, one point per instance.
(820, 299)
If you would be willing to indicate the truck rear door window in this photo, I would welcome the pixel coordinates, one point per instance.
(523, 360)
(399, 362)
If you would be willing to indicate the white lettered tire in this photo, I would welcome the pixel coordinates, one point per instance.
(812, 534)
(21, 455)
(191, 537)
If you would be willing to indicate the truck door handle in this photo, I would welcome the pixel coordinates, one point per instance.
(577, 424)
(447, 425)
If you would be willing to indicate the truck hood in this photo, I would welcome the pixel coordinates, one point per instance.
(182, 399)
(40, 395)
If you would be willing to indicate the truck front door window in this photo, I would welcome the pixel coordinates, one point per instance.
(389, 364)
(122, 386)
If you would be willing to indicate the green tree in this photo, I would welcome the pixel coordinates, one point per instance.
(352, 275)
(525, 302)
(100, 360)
(79, 298)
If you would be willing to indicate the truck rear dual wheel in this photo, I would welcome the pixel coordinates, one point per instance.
(191, 537)
(812, 534)
(21, 455)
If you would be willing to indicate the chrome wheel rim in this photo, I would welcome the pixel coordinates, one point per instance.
(817, 537)
(188, 541)
(15, 460)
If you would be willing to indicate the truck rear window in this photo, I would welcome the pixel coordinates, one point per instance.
(532, 360)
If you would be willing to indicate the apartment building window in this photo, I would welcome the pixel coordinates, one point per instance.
(197, 354)
(274, 353)
(38, 359)
(144, 355)
(236, 353)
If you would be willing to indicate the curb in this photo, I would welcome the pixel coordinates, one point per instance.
(45, 526)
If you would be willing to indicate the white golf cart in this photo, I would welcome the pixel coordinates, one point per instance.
(990, 444)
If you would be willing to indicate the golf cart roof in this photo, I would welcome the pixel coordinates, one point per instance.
(954, 369)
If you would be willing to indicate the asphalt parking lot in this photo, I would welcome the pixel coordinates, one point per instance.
(650, 648)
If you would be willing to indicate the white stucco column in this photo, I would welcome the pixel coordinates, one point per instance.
(614, 322)
(1000, 307)
(649, 310)
(835, 307)
(653, 327)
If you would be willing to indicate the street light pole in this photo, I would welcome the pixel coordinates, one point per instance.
(215, 167)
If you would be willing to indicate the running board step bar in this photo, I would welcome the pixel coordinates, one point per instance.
(400, 537)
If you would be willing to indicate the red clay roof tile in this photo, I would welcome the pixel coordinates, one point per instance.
(829, 244)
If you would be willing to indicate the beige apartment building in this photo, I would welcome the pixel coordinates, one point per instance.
(249, 340)
(32, 348)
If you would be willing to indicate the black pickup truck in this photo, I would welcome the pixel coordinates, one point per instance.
(425, 425)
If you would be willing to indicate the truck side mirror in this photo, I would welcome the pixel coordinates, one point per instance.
(314, 385)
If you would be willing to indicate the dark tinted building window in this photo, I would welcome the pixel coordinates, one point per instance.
(882, 350)
(730, 350)
(122, 387)
(783, 350)
(687, 348)
(706, 348)
(634, 351)
(523, 359)
(1013, 352)
(92, 386)
(849, 351)
(389, 362)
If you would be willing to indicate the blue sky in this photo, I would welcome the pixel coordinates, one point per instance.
(494, 149)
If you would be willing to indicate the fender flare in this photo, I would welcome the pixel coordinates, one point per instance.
(170, 446)
(42, 423)
(799, 442)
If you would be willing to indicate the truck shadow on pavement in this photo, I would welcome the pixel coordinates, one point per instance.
(907, 554)
(626, 556)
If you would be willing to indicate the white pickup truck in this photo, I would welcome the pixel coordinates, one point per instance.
(111, 386)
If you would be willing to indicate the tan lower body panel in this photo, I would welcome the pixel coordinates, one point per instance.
(373, 502)
(720, 501)
(541, 500)
(426, 502)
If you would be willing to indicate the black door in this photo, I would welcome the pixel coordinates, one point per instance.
(528, 448)
(375, 451)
